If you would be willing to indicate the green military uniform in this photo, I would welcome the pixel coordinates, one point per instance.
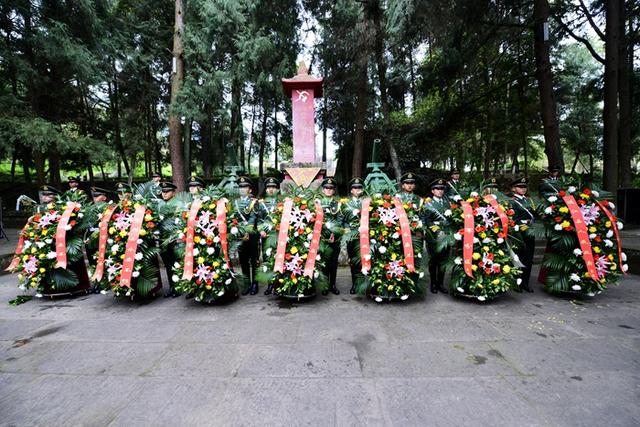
(167, 209)
(46, 191)
(454, 187)
(264, 215)
(245, 211)
(524, 215)
(434, 220)
(332, 213)
(550, 185)
(350, 219)
(95, 214)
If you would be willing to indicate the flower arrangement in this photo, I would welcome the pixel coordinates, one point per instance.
(204, 232)
(126, 261)
(483, 267)
(49, 244)
(584, 246)
(390, 251)
(295, 251)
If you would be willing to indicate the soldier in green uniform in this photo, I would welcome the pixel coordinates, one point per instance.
(408, 183)
(195, 184)
(124, 191)
(454, 185)
(74, 185)
(550, 185)
(524, 216)
(331, 207)
(100, 199)
(434, 220)
(168, 192)
(351, 220)
(99, 195)
(244, 210)
(47, 194)
(265, 210)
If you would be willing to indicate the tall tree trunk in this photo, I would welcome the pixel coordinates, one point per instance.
(235, 135)
(187, 149)
(361, 112)
(544, 76)
(276, 131)
(610, 110)
(206, 137)
(54, 167)
(263, 137)
(624, 91)
(114, 95)
(177, 77)
(38, 160)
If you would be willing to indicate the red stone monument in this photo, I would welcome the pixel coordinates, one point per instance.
(303, 89)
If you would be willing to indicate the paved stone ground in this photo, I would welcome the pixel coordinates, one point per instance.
(521, 360)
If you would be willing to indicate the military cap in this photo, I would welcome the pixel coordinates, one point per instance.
(554, 169)
(167, 186)
(156, 175)
(122, 187)
(438, 184)
(329, 182)
(271, 182)
(520, 182)
(356, 182)
(195, 181)
(454, 171)
(73, 178)
(245, 181)
(97, 191)
(49, 190)
(408, 178)
(491, 183)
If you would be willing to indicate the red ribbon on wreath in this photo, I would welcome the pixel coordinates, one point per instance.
(365, 250)
(16, 259)
(315, 241)
(132, 246)
(583, 235)
(405, 230)
(221, 219)
(189, 244)
(283, 235)
(467, 240)
(61, 235)
(614, 224)
(491, 199)
(102, 242)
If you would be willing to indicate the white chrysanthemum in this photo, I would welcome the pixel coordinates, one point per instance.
(318, 257)
(591, 294)
(268, 251)
(609, 234)
(138, 256)
(216, 239)
(486, 240)
(516, 227)
(197, 299)
(41, 245)
(575, 277)
(206, 198)
(176, 264)
(476, 240)
(365, 271)
(80, 215)
(419, 255)
(103, 292)
(135, 274)
(595, 193)
(306, 244)
(378, 299)
(571, 189)
(421, 275)
(576, 287)
(519, 282)
(49, 241)
(316, 273)
(38, 295)
(612, 205)
(355, 212)
(196, 251)
(552, 199)
(620, 225)
(608, 243)
(458, 261)
(265, 268)
(592, 236)
(624, 256)
(175, 278)
(51, 255)
(115, 248)
(500, 240)
(228, 281)
(481, 298)
(577, 252)
(457, 198)
(395, 235)
(210, 251)
(128, 294)
(557, 227)
(457, 236)
(139, 241)
(225, 266)
(447, 212)
(176, 221)
(234, 230)
(382, 249)
(473, 194)
(460, 289)
(404, 297)
(221, 293)
(625, 267)
(548, 210)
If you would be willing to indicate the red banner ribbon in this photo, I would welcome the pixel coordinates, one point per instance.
(283, 235)
(467, 241)
(61, 235)
(102, 242)
(16, 259)
(583, 235)
(365, 250)
(614, 224)
(315, 241)
(132, 246)
(492, 200)
(405, 230)
(221, 219)
(191, 230)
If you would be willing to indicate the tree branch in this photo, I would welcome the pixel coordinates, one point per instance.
(589, 17)
(582, 40)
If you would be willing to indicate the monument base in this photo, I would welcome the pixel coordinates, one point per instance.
(305, 175)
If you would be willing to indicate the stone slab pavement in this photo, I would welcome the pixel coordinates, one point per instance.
(522, 360)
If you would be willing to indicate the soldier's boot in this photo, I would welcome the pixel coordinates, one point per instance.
(433, 288)
(269, 289)
(253, 289)
(352, 291)
(334, 290)
(434, 280)
(247, 287)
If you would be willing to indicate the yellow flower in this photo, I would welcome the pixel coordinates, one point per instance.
(216, 276)
(394, 256)
(592, 229)
(372, 233)
(483, 235)
(307, 230)
(294, 280)
(500, 252)
(304, 202)
(584, 196)
(564, 209)
(148, 217)
(33, 250)
(485, 248)
(613, 266)
(281, 280)
(44, 232)
(215, 264)
(470, 199)
(41, 256)
(506, 269)
(596, 249)
(474, 267)
(380, 202)
(565, 224)
(496, 229)
(610, 256)
(123, 233)
(212, 205)
(476, 256)
(608, 224)
(208, 287)
(294, 250)
(524, 227)
(143, 232)
(200, 260)
(495, 282)
(196, 239)
(42, 269)
(25, 258)
(112, 230)
(390, 287)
